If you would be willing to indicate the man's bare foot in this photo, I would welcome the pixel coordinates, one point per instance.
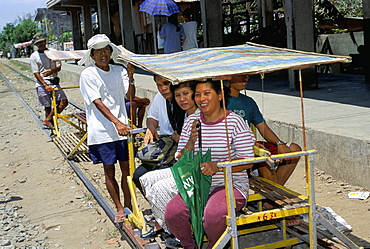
(121, 212)
(48, 124)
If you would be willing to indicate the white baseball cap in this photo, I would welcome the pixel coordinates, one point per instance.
(97, 42)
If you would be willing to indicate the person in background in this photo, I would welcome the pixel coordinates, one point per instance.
(46, 73)
(104, 88)
(173, 34)
(190, 29)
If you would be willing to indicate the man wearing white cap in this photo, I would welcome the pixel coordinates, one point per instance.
(104, 87)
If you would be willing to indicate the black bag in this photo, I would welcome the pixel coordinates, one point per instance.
(157, 154)
(55, 81)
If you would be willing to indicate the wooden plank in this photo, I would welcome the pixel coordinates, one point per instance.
(272, 197)
(74, 140)
(59, 141)
(278, 199)
(281, 191)
(66, 142)
(284, 196)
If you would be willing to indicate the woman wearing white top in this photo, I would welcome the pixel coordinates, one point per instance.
(159, 185)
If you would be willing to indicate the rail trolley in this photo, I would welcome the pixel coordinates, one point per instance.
(250, 58)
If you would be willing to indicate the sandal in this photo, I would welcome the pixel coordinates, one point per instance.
(119, 218)
(293, 220)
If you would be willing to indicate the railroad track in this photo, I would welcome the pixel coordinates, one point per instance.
(21, 83)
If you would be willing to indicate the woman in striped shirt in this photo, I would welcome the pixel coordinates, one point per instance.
(208, 97)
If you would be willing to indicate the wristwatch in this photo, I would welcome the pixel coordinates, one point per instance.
(280, 142)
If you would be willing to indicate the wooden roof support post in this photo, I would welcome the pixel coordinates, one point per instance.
(265, 12)
(103, 17)
(127, 28)
(212, 25)
(76, 29)
(300, 36)
(88, 29)
(366, 14)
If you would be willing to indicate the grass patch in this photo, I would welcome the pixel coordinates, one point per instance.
(21, 66)
(89, 196)
(110, 234)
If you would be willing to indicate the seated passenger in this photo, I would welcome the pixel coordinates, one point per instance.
(247, 108)
(165, 114)
(208, 97)
(159, 186)
(138, 110)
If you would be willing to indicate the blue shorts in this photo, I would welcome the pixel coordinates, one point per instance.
(128, 107)
(109, 153)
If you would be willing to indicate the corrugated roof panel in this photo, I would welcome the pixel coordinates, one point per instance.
(51, 3)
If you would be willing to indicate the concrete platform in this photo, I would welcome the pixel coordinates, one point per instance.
(336, 116)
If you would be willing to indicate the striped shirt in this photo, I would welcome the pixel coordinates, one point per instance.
(213, 134)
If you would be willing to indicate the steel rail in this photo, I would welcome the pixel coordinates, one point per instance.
(98, 197)
(33, 80)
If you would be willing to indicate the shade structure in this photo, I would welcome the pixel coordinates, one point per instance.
(193, 187)
(56, 55)
(159, 7)
(202, 63)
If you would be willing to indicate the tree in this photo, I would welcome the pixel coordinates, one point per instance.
(6, 37)
(25, 31)
(330, 14)
(47, 24)
(349, 8)
(22, 32)
(65, 37)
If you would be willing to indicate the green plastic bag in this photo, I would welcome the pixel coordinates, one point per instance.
(193, 187)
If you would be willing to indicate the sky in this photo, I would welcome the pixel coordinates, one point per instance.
(11, 9)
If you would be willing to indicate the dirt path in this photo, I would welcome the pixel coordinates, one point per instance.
(332, 193)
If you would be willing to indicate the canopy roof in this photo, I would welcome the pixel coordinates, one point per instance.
(56, 55)
(23, 44)
(202, 63)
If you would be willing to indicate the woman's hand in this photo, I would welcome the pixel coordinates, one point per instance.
(283, 148)
(194, 131)
(175, 136)
(130, 72)
(148, 138)
(259, 145)
(209, 168)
